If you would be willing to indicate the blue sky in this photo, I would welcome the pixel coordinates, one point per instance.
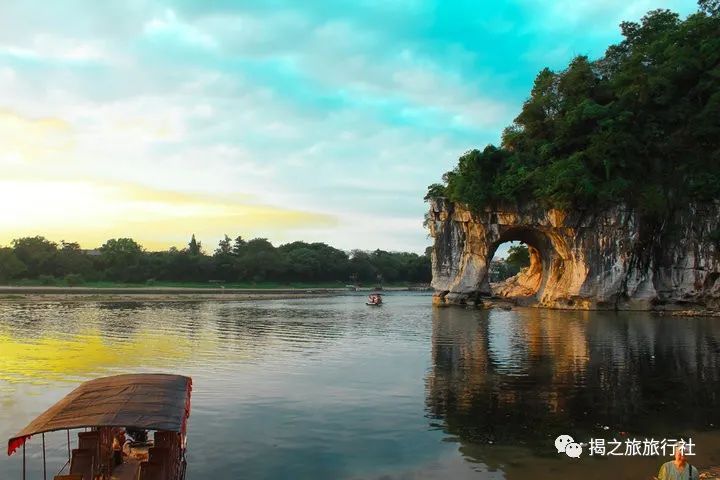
(316, 120)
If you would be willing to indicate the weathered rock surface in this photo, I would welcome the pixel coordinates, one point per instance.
(580, 259)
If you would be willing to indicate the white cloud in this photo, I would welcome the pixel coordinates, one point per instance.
(594, 17)
(338, 56)
(373, 66)
(53, 47)
(169, 23)
(204, 128)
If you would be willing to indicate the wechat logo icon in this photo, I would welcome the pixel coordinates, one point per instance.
(566, 444)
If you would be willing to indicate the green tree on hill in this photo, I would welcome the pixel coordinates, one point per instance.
(224, 246)
(10, 266)
(194, 247)
(639, 125)
(238, 245)
(120, 259)
(710, 7)
(38, 254)
(518, 257)
(71, 260)
(256, 260)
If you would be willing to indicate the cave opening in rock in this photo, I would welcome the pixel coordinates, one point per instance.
(516, 267)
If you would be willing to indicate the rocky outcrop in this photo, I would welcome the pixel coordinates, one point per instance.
(605, 259)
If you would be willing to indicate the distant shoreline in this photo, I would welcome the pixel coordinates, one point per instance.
(160, 290)
(164, 289)
(50, 293)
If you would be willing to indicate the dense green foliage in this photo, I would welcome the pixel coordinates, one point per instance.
(518, 258)
(234, 261)
(640, 125)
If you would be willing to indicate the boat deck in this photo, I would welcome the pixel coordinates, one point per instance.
(128, 470)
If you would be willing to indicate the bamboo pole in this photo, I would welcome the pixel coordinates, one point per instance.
(44, 464)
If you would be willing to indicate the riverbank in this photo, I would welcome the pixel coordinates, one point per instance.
(166, 294)
(59, 294)
(203, 285)
(33, 294)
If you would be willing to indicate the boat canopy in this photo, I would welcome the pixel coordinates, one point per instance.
(152, 401)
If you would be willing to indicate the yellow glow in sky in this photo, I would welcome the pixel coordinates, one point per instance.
(24, 140)
(91, 213)
(44, 191)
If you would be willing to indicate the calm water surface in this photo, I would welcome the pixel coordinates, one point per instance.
(328, 388)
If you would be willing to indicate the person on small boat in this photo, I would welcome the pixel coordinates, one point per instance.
(374, 299)
(137, 435)
(149, 400)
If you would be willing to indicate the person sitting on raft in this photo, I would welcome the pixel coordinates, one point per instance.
(678, 469)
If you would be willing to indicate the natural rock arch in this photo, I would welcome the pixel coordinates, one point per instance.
(478, 240)
(580, 259)
(530, 280)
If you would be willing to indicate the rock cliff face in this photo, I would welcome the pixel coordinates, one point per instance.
(581, 259)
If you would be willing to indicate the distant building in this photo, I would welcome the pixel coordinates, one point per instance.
(94, 252)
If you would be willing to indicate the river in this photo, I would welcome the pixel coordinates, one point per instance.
(328, 388)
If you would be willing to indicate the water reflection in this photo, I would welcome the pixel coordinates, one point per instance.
(520, 378)
(321, 388)
(328, 388)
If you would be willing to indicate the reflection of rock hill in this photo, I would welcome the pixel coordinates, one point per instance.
(581, 260)
(519, 378)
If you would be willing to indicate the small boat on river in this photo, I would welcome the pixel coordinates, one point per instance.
(374, 300)
(103, 410)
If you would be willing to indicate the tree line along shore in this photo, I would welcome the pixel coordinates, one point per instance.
(235, 263)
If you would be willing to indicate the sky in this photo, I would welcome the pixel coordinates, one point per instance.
(322, 121)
